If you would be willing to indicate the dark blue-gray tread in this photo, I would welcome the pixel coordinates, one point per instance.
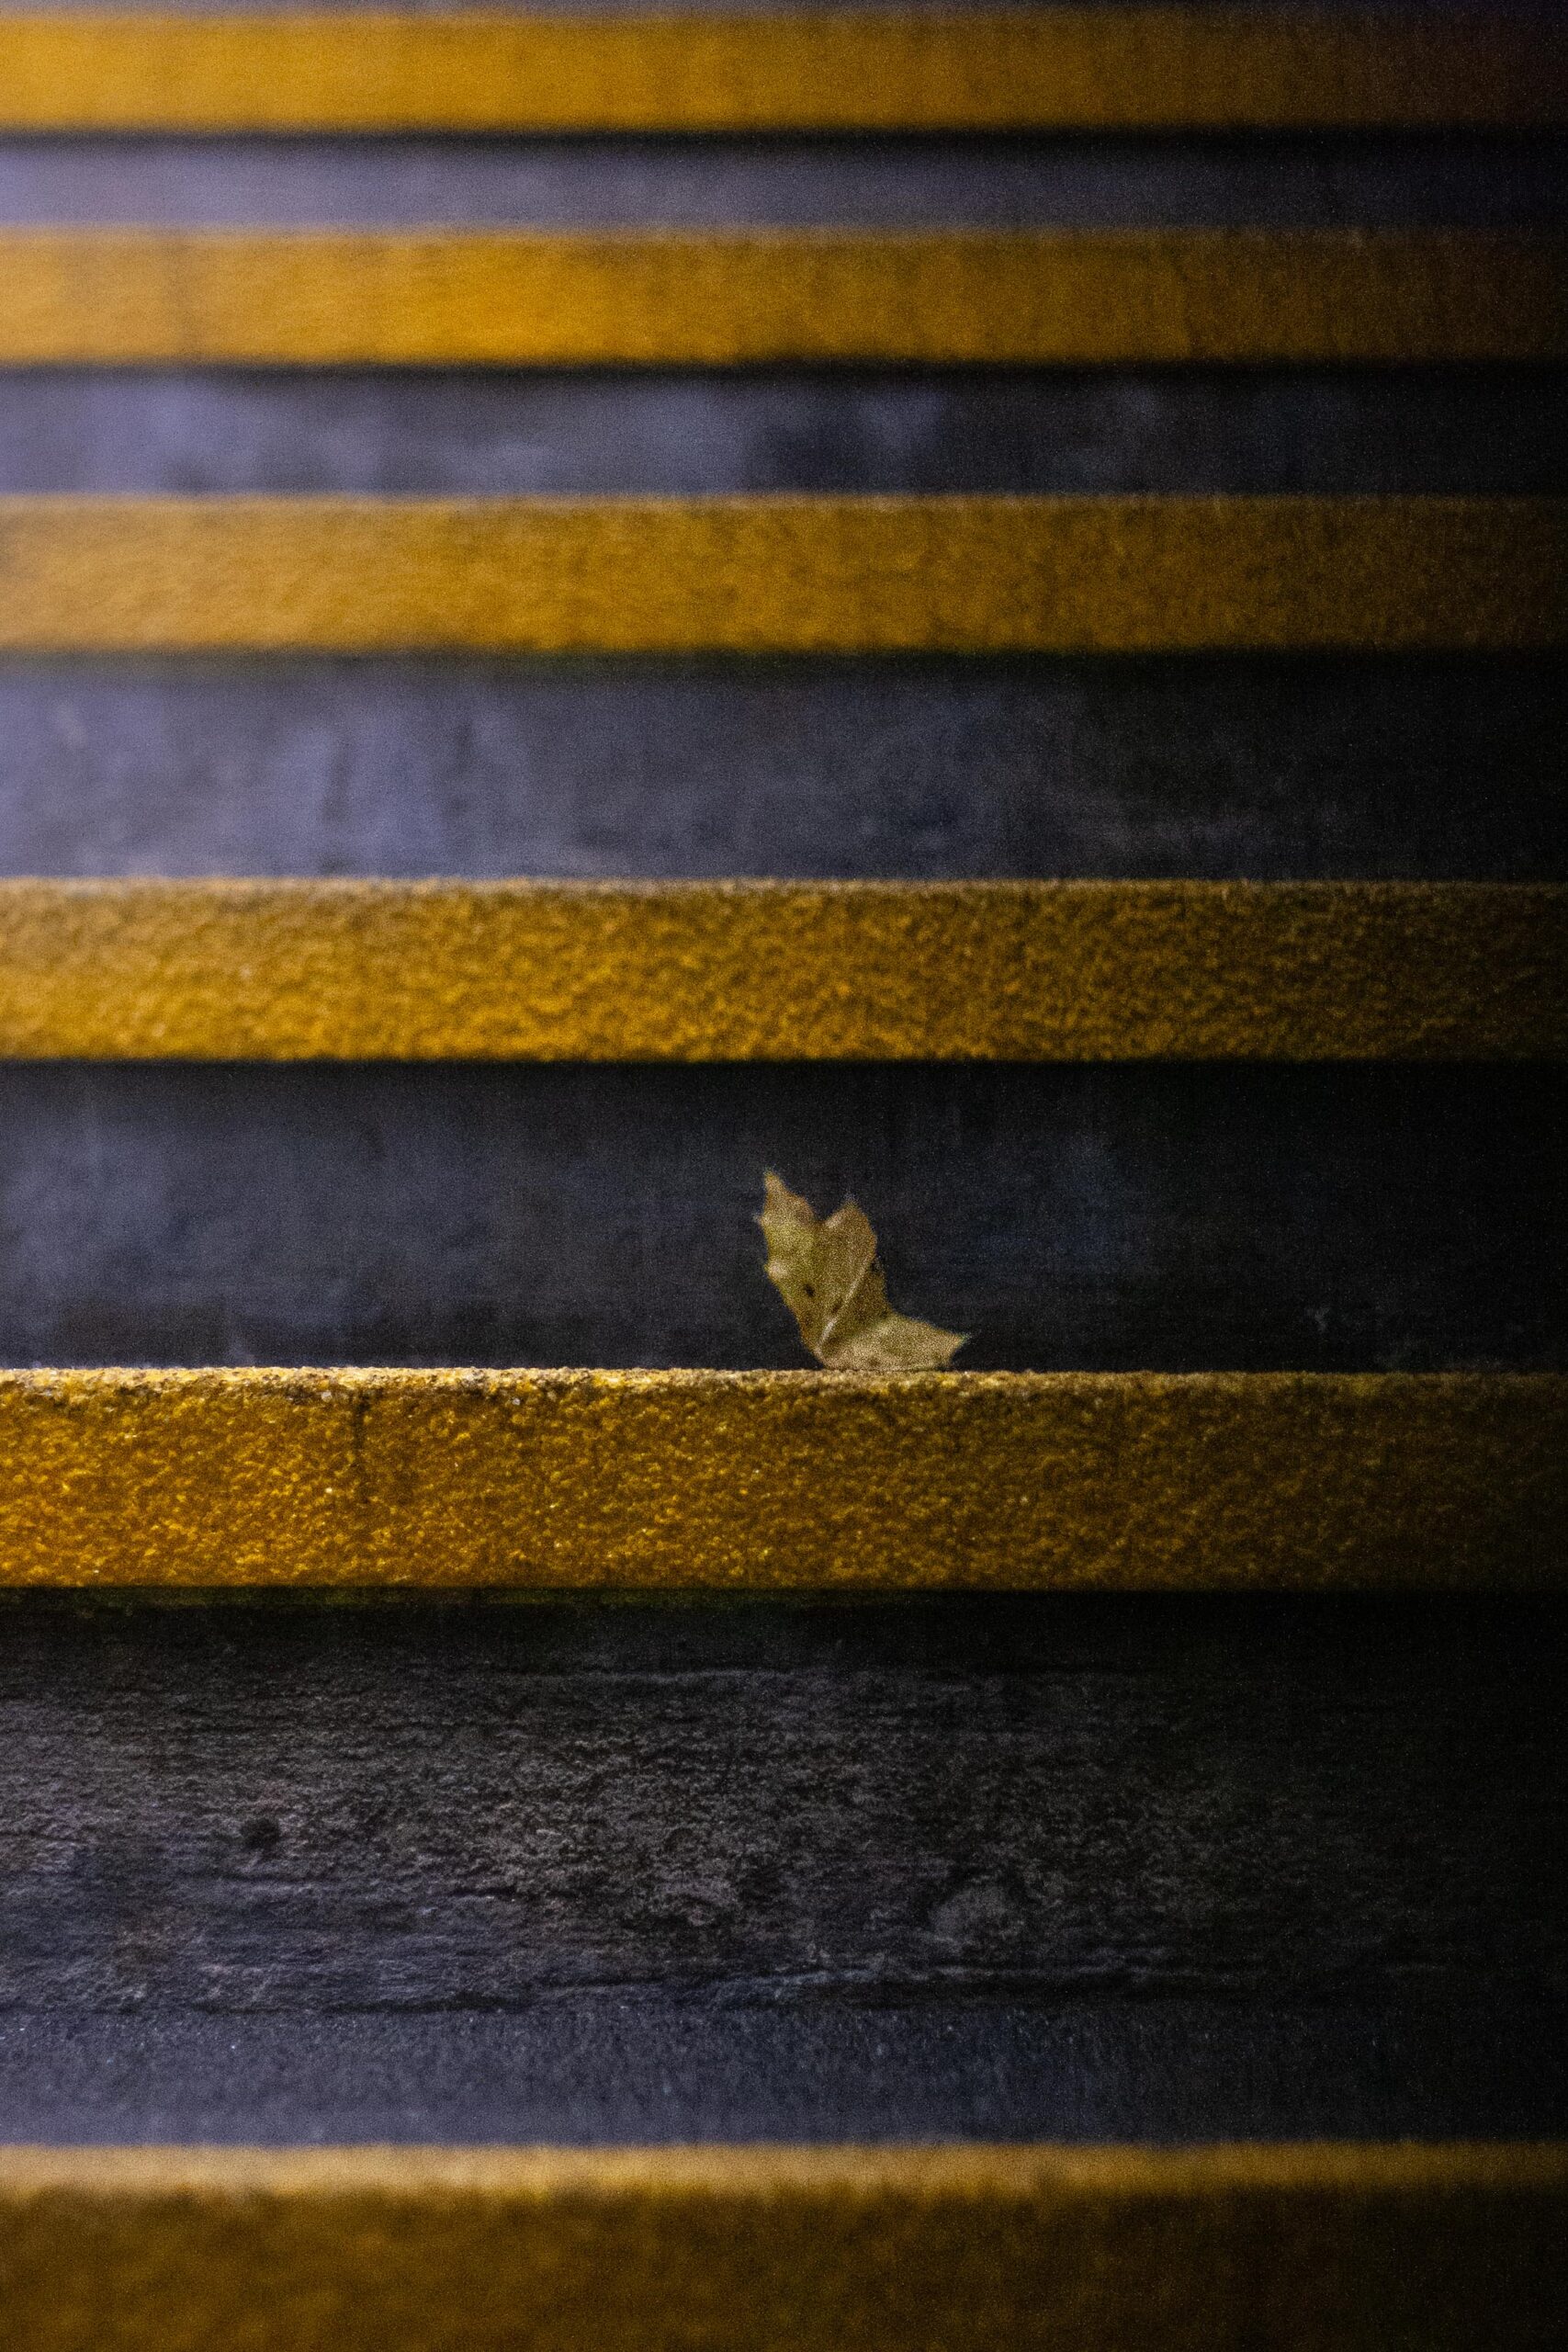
(1158, 1869)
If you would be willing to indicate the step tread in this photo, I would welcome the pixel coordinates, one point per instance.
(778, 1481)
(322, 297)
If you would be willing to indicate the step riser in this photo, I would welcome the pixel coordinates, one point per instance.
(1172, 1218)
(186, 431)
(1323, 181)
(1208, 767)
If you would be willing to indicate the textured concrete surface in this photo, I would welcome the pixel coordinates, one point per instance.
(782, 575)
(486, 433)
(1139, 1869)
(1265, 1801)
(1072, 69)
(1142, 1217)
(632, 2066)
(118, 295)
(772, 971)
(765, 1481)
(1191, 768)
(1317, 2249)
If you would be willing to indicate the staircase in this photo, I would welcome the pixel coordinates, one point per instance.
(970, 608)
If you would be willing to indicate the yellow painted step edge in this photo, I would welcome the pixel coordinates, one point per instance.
(1114, 68)
(1331, 2247)
(783, 971)
(113, 297)
(771, 1481)
(782, 574)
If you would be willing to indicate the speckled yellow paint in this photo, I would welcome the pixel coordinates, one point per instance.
(1059, 68)
(780, 971)
(765, 1482)
(1323, 2248)
(324, 297)
(781, 574)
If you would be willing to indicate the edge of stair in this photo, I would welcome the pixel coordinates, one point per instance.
(213, 970)
(1063, 69)
(324, 297)
(894, 2250)
(691, 1482)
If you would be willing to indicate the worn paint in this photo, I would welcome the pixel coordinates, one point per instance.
(1323, 2249)
(771, 1481)
(319, 297)
(1063, 69)
(782, 574)
(691, 972)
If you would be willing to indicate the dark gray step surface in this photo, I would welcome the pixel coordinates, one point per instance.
(478, 433)
(1203, 768)
(1111, 1218)
(642, 2067)
(1322, 180)
(289, 1808)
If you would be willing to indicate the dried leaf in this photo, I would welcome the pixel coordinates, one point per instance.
(825, 1269)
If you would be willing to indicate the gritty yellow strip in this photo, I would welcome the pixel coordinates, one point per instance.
(783, 971)
(1054, 69)
(777, 1482)
(782, 574)
(335, 297)
(1333, 2247)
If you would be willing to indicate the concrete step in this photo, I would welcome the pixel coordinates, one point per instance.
(798, 575)
(778, 971)
(766, 1482)
(109, 297)
(1070, 69)
(935, 2250)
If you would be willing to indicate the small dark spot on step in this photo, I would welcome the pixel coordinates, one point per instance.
(261, 1835)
